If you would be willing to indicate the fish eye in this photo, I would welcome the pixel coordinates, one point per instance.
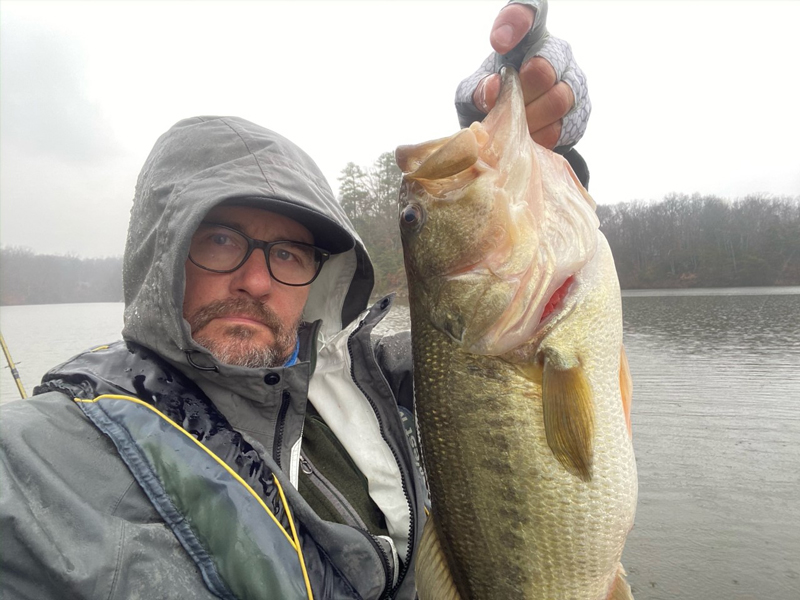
(411, 215)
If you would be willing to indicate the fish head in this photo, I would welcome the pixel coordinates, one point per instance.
(493, 227)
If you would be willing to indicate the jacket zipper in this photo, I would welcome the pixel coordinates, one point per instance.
(384, 560)
(319, 481)
(411, 518)
(277, 441)
(347, 511)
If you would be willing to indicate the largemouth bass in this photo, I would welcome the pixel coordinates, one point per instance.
(521, 382)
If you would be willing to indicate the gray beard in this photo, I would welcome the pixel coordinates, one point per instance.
(235, 350)
(235, 347)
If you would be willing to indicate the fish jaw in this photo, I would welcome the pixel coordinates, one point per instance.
(493, 225)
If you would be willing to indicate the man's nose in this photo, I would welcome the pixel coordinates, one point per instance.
(253, 276)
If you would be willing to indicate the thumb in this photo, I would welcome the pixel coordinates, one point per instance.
(510, 26)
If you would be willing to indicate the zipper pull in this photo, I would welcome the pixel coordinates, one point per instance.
(305, 465)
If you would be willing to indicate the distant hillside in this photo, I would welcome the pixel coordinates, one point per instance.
(704, 241)
(29, 278)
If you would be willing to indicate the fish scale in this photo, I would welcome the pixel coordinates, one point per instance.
(457, 465)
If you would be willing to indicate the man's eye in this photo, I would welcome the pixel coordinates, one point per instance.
(221, 239)
(282, 254)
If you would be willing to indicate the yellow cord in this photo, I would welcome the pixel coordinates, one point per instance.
(294, 533)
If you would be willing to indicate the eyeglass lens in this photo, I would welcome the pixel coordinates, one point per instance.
(219, 248)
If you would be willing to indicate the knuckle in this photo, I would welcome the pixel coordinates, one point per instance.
(548, 136)
(538, 72)
(486, 92)
(561, 100)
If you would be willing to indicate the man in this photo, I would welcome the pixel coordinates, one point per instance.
(228, 311)
(247, 439)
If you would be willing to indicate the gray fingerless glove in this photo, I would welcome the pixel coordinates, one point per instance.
(537, 42)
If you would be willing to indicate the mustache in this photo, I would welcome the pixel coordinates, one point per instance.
(240, 307)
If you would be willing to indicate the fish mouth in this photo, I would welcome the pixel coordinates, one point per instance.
(442, 165)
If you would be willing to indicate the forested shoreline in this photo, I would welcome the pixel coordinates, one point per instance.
(680, 242)
(704, 242)
(30, 278)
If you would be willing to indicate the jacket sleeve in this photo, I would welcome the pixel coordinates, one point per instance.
(73, 521)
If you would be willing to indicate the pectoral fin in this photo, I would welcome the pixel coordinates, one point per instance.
(433, 578)
(568, 417)
(625, 387)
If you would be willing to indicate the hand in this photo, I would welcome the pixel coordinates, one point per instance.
(547, 100)
(551, 80)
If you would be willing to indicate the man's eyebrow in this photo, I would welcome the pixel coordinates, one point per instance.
(225, 222)
(240, 228)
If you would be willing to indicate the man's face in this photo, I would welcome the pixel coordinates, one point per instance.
(246, 318)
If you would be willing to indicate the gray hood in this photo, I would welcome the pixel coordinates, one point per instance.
(198, 164)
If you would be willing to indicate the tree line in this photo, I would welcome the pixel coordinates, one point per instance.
(30, 278)
(705, 241)
(680, 242)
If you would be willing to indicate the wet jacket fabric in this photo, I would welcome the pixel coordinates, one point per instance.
(77, 523)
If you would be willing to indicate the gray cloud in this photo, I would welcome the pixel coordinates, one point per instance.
(45, 110)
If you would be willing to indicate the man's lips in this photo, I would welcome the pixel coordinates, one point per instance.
(243, 319)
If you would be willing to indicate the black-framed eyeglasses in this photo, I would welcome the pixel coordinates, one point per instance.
(222, 249)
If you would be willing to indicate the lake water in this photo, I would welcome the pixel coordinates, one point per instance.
(716, 418)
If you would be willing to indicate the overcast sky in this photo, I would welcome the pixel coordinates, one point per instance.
(688, 96)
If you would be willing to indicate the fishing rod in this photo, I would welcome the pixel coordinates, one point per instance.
(13, 368)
